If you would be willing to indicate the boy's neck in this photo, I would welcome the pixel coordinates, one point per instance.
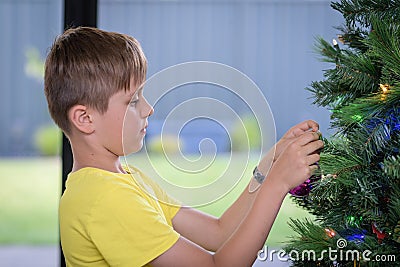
(86, 157)
(116, 167)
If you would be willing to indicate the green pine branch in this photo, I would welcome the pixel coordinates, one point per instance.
(353, 37)
(359, 12)
(355, 74)
(366, 108)
(384, 43)
(321, 237)
(311, 236)
(359, 185)
(392, 168)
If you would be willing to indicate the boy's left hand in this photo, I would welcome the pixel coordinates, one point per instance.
(294, 132)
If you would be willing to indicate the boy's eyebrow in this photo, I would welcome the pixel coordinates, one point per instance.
(140, 87)
(139, 90)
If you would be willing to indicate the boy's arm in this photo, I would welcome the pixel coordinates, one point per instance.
(210, 232)
(241, 248)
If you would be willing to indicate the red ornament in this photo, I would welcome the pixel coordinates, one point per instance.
(379, 234)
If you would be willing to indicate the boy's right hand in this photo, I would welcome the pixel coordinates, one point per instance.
(297, 161)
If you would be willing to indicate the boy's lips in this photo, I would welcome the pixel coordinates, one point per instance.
(144, 129)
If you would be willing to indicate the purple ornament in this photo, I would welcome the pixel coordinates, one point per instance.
(302, 189)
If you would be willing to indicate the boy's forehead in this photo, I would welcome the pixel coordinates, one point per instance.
(135, 89)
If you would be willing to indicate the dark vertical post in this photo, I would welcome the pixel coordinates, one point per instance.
(76, 13)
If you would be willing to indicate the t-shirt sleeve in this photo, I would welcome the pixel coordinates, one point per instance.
(169, 204)
(128, 230)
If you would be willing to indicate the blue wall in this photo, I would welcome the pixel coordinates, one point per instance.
(271, 41)
(24, 25)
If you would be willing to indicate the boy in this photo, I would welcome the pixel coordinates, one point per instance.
(93, 84)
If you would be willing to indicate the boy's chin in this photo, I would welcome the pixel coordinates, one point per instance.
(131, 150)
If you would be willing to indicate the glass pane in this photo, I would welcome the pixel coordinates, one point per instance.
(28, 29)
(30, 181)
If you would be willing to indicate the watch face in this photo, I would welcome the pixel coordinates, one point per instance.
(259, 176)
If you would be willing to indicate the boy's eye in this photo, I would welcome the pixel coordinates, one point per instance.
(133, 102)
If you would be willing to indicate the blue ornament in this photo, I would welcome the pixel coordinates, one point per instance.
(390, 121)
(393, 119)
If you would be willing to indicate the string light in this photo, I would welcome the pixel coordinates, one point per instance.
(331, 233)
(341, 38)
(385, 87)
(357, 118)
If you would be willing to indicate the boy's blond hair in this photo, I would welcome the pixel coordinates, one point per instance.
(87, 66)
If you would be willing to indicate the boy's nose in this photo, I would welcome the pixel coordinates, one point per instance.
(151, 110)
(148, 109)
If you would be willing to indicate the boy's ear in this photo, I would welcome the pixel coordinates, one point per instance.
(81, 119)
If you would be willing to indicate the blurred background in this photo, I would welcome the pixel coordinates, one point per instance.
(270, 41)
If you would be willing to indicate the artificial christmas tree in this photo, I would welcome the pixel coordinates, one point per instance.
(355, 196)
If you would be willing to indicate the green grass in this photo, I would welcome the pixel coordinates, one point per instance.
(29, 193)
(30, 190)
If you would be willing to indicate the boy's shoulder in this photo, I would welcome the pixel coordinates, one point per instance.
(95, 183)
(96, 175)
(90, 187)
(95, 179)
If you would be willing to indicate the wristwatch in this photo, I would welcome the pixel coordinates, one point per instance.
(258, 176)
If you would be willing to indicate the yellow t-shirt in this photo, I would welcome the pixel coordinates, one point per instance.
(107, 219)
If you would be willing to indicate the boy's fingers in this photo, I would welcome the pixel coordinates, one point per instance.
(307, 125)
(310, 124)
(313, 146)
(313, 169)
(308, 137)
(312, 159)
(303, 127)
